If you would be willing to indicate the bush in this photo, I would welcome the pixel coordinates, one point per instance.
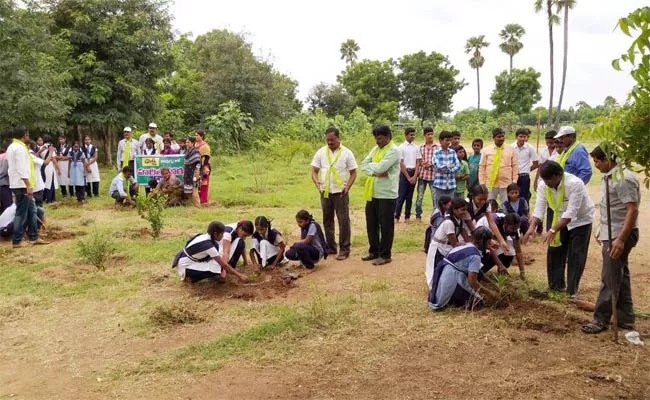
(152, 208)
(96, 248)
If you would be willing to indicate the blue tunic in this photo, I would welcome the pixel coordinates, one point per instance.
(450, 285)
(77, 168)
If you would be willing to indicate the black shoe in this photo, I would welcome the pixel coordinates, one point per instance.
(369, 257)
(342, 256)
(381, 261)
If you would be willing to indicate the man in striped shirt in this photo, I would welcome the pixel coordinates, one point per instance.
(426, 171)
(446, 165)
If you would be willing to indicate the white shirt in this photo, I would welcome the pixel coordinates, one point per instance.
(8, 216)
(544, 156)
(410, 154)
(577, 205)
(133, 151)
(18, 160)
(38, 178)
(157, 141)
(526, 154)
(343, 165)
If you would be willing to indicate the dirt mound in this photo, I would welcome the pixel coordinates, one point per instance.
(268, 285)
(540, 316)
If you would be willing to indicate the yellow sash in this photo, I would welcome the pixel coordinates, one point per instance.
(369, 187)
(495, 167)
(127, 153)
(32, 175)
(564, 157)
(331, 170)
(556, 208)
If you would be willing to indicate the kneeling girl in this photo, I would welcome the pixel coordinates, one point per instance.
(267, 245)
(311, 246)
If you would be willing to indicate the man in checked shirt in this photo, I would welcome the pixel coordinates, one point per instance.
(446, 165)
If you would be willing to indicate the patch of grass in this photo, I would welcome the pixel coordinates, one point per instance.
(556, 296)
(167, 315)
(97, 248)
(380, 284)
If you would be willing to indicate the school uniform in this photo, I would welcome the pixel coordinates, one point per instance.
(434, 222)
(520, 207)
(440, 246)
(149, 151)
(49, 175)
(196, 260)
(450, 283)
(63, 150)
(92, 178)
(77, 172)
(266, 247)
(39, 184)
(237, 245)
(9, 215)
(507, 257)
(5, 193)
(309, 254)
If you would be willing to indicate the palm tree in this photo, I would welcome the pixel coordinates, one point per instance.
(474, 46)
(552, 20)
(565, 5)
(349, 50)
(511, 43)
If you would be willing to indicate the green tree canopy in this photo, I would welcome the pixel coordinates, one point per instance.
(516, 91)
(511, 36)
(349, 50)
(332, 99)
(474, 46)
(374, 87)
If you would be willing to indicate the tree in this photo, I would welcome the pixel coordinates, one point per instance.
(610, 103)
(349, 50)
(229, 126)
(429, 82)
(332, 99)
(552, 19)
(511, 36)
(374, 87)
(474, 46)
(516, 91)
(565, 5)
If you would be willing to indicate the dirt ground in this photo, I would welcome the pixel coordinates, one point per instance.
(68, 348)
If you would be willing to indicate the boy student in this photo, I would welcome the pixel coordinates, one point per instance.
(446, 165)
(409, 166)
(527, 161)
(425, 174)
(473, 162)
(517, 204)
(455, 138)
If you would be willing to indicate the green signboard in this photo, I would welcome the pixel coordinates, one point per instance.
(148, 167)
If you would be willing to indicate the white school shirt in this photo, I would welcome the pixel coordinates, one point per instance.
(157, 141)
(545, 156)
(410, 153)
(526, 154)
(577, 205)
(18, 160)
(343, 165)
(38, 178)
(133, 152)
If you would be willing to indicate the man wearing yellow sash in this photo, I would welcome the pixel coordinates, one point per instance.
(22, 178)
(575, 158)
(498, 167)
(568, 237)
(382, 165)
(153, 135)
(127, 149)
(334, 171)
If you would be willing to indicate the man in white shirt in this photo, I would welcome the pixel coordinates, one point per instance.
(409, 167)
(157, 139)
(22, 178)
(127, 149)
(568, 237)
(527, 161)
(548, 153)
(334, 171)
(124, 187)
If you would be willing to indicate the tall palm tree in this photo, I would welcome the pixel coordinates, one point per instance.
(474, 46)
(511, 36)
(565, 5)
(349, 50)
(547, 5)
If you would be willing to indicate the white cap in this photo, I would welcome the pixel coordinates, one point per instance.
(153, 125)
(565, 130)
(127, 129)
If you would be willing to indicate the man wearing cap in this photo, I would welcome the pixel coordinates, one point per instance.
(498, 167)
(527, 161)
(157, 139)
(575, 158)
(127, 149)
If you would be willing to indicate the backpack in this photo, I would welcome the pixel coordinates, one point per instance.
(434, 223)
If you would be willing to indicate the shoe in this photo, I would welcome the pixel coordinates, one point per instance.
(418, 219)
(342, 256)
(397, 220)
(39, 241)
(369, 257)
(381, 261)
(284, 260)
(331, 252)
(21, 244)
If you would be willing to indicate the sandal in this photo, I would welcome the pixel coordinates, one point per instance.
(627, 327)
(594, 327)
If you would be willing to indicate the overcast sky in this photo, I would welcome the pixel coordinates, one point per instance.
(302, 38)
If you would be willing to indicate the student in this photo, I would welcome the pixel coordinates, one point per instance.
(172, 143)
(192, 173)
(409, 166)
(479, 207)
(39, 185)
(446, 237)
(425, 175)
(204, 149)
(446, 165)
(200, 257)
(463, 175)
(92, 177)
(167, 148)
(77, 167)
(151, 186)
(438, 215)
(457, 276)
(182, 149)
(527, 161)
(6, 199)
(49, 170)
(62, 151)
(149, 149)
(311, 246)
(516, 204)
(123, 187)
(473, 161)
(509, 226)
(455, 138)
(7, 221)
(267, 245)
(233, 243)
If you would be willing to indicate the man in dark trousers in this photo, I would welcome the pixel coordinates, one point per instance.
(409, 167)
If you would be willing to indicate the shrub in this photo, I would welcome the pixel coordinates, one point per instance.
(152, 208)
(96, 248)
(168, 315)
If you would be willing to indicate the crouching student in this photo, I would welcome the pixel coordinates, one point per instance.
(233, 244)
(311, 246)
(517, 205)
(200, 257)
(457, 276)
(123, 187)
(446, 237)
(438, 215)
(9, 215)
(480, 207)
(508, 226)
(267, 245)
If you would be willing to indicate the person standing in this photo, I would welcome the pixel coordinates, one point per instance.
(568, 237)
(446, 166)
(473, 161)
(575, 158)
(527, 161)
(409, 166)
(22, 177)
(498, 167)
(192, 172)
(127, 149)
(49, 169)
(380, 194)
(153, 135)
(92, 169)
(77, 170)
(624, 200)
(548, 153)
(5, 193)
(334, 171)
(62, 158)
(172, 143)
(425, 174)
(204, 150)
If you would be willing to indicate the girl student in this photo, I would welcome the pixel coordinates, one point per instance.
(462, 176)
(267, 245)
(77, 169)
(149, 149)
(233, 243)
(92, 169)
(446, 237)
(311, 246)
(478, 208)
(49, 170)
(509, 226)
(438, 215)
(62, 152)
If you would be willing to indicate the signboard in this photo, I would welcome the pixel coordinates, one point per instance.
(148, 167)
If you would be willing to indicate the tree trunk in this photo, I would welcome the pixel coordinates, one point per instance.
(109, 137)
(549, 9)
(511, 64)
(478, 88)
(564, 64)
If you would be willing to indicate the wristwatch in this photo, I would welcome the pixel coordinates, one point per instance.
(552, 231)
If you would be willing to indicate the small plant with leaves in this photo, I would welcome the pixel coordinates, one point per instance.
(152, 208)
(96, 248)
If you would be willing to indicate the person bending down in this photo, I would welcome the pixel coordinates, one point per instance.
(509, 226)
(311, 246)
(200, 257)
(233, 244)
(267, 246)
(123, 187)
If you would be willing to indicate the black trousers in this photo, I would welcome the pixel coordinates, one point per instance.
(488, 263)
(573, 254)
(305, 252)
(92, 188)
(616, 274)
(80, 191)
(380, 226)
(338, 204)
(65, 190)
(5, 198)
(524, 186)
(239, 252)
(405, 195)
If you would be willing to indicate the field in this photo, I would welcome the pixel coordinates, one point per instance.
(349, 330)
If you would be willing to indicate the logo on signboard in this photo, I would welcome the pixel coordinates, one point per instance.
(151, 161)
